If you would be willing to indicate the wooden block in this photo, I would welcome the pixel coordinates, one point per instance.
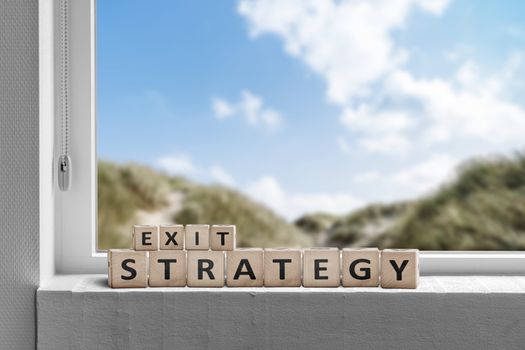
(145, 237)
(167, 268)
(245, 267)
(282, 267)
(197, 237)
(360, 267)
(171, 237)
(222, 237)
(205, 268)
(321, 267)
(400, 268)
(127, 269)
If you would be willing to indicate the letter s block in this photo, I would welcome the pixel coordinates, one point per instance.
(321, 267)
(360, 267)
(245, 267)
(127, 269)
(400, 268)
(205, 268)
(145, 237)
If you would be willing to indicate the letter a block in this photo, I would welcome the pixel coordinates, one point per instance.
(321, 267)
(167, 268)
(282, 267)
(399, 268)
(222, 237)
(127, 269)
(171, 237)
(205, 268)
(245, 267)
(145, 237)
(360, 267)
(197, 237)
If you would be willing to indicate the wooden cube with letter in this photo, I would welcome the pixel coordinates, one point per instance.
(400, 268)
(197, 237)
(145, 237)
(127, 268)
(222, 237)
(171, 237)
(360, 267)
(167, 268)
(205, 268)
(245, 267)
(321, 267)
(282, 267)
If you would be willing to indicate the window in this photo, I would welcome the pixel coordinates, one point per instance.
(298, 121)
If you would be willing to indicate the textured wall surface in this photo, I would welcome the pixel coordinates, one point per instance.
(19, 272)
(444, 313)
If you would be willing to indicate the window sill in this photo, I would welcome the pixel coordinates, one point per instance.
(79, 311)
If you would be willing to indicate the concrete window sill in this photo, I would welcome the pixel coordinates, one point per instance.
(444, 312)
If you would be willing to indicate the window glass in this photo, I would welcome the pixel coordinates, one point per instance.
(336, 123)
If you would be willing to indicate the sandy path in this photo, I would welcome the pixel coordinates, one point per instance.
(163, 215)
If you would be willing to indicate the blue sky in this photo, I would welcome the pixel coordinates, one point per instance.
(310, 105)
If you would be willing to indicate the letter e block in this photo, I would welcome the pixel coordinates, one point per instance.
(171, 237)
(127, 269)
(145, 237)
(360, 267)
(282, 267)
(197, 237)
(222, 237)
(400, 268)
(167, 268)
(321, 267)
(205, 268)
(245, 267)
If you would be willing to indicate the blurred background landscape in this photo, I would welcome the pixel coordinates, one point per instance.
(349, 123)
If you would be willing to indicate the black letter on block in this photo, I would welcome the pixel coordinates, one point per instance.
(281, 263)
(131, 270)
(399, 270)
(146, 238)
(249, 271)
(201, 268)
(366, 270)
(167, 263)
(196, 238)
(318, 269)
(222, 234)
(171, 238)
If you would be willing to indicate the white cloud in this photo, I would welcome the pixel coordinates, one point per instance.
(250, 107)
(268, 191)
(367, 177)
(220, 175)
(178, 164)
(344, 146)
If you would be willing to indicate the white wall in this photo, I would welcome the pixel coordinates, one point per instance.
(19, 196)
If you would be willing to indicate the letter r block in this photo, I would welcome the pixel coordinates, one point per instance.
(167, 268)
(145, 237)
(245, 267)
(321, 267)
(282, 267)
(205, 268)
(360, 267)
(222, 237)
(127, 269)
(400, 268)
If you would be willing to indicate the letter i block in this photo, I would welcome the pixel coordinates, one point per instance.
(321, 267)
(171, 237)
(360, 267)
(145, 237)
(400, 268)
(197, 237)
(245, 267)
(127, 269)
(222, 237)
(205, 268)
(167, 268)
(282, 267)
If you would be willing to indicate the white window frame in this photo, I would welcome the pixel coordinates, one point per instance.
(74, 223)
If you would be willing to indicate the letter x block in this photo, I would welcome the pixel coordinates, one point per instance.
(171, 237)
(222, 237)
(127, 269)
(145, 237)
(321, 267)
(167, 268)
(205, 268)
(197, 237)
(282, 267)
(360, 267)
(399, 268)
(245, 267)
